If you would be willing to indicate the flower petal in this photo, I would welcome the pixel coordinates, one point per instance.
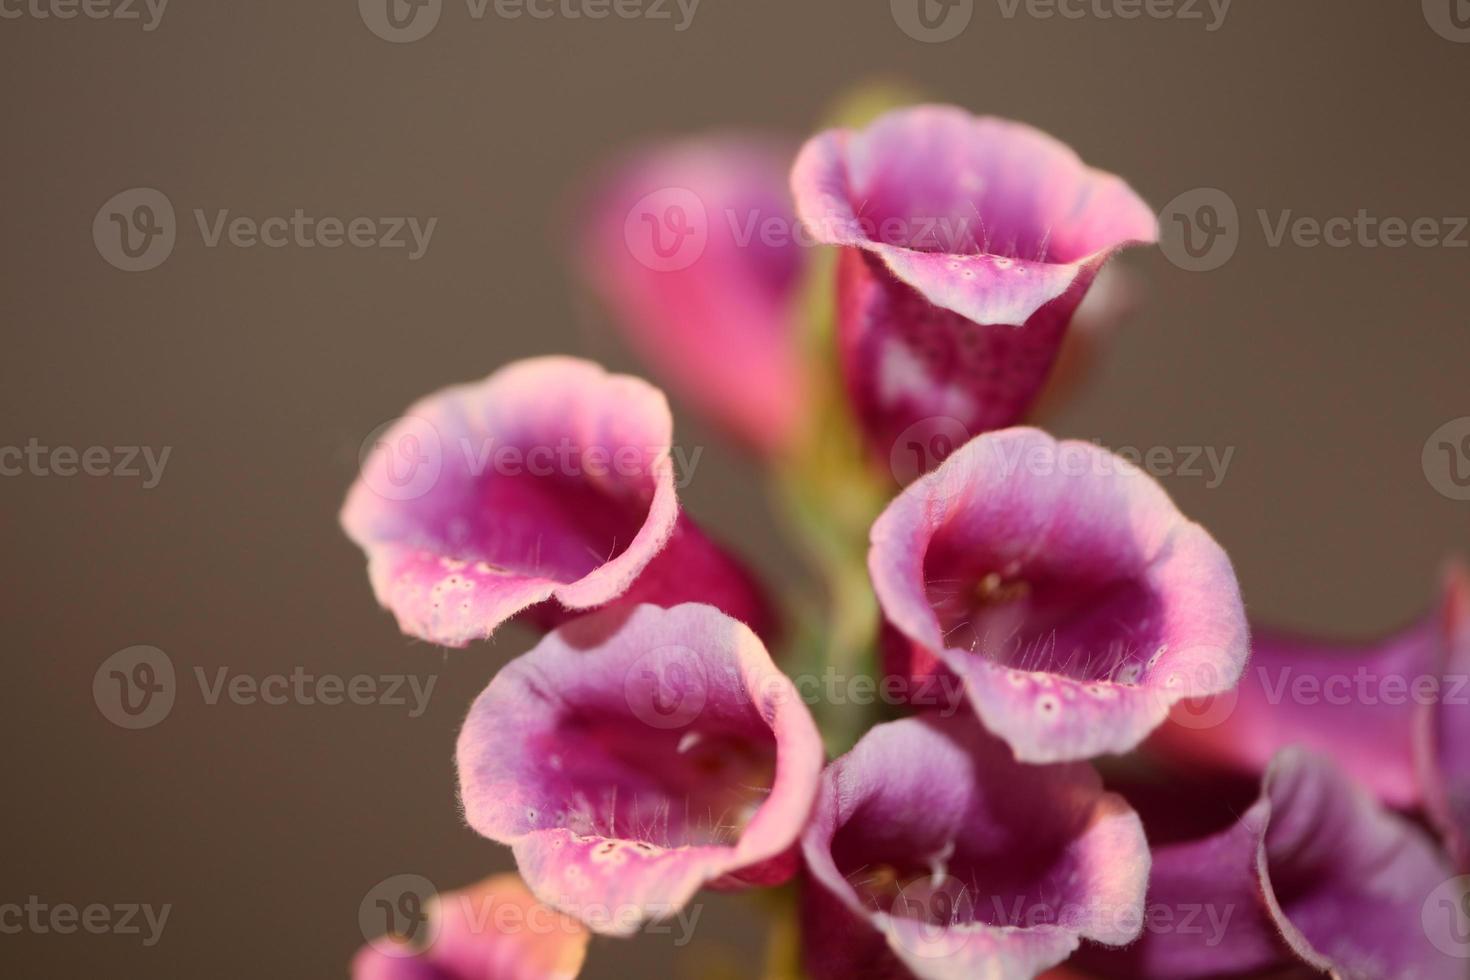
(1443, 731)
(1063, 587)
(933, 853)
(635, 756)
(1394, 713)
(692, 247)
(1314, 873)
(549, 480)
(970, 243)
(494, 930)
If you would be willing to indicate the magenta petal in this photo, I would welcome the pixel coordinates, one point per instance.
(690, 568)
(372, 963)
(1063, 587)
(693, 247)
(1314, 873)
(494, 930)
(1394, 713)
(635, 756)
(971, 241)
(549, 480)
(932, 853)
(1443, 730)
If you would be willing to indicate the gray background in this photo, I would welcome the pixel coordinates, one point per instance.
(1326, 370)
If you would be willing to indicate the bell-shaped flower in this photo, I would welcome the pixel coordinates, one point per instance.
(968, 244)
(635, 756)
(1062, 586)
(548, 487)
(932, 853)
(694, 249)
(1392, 712)
(1315, 876)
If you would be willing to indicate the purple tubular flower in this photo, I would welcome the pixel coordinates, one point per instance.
(932, 853)
(1393, 713)
(1062, 587)
(549, 480)
(692, 246)
(494, 930)
(968, 244)
(1315, 874)
(635, 756)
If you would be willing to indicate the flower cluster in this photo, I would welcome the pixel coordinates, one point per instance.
(874, 318)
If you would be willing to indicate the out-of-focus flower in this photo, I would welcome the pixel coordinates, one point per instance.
(1063, 587)
(1394, 713)
(495, 930)
(1315, 874)
(634, 757)
(550, 482)
(693, 247)
(968, 244)
(932, 853)
(1111, 301)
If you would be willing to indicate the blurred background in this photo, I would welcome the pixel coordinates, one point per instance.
(1324, 370)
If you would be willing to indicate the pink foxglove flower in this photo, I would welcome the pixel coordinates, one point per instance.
(551, 482)
(968, 244)
(934, 854)
(495, 930)
(1314, 874)
(634, 757)
(1063, 587)
(693, 246)
(1394, 713)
